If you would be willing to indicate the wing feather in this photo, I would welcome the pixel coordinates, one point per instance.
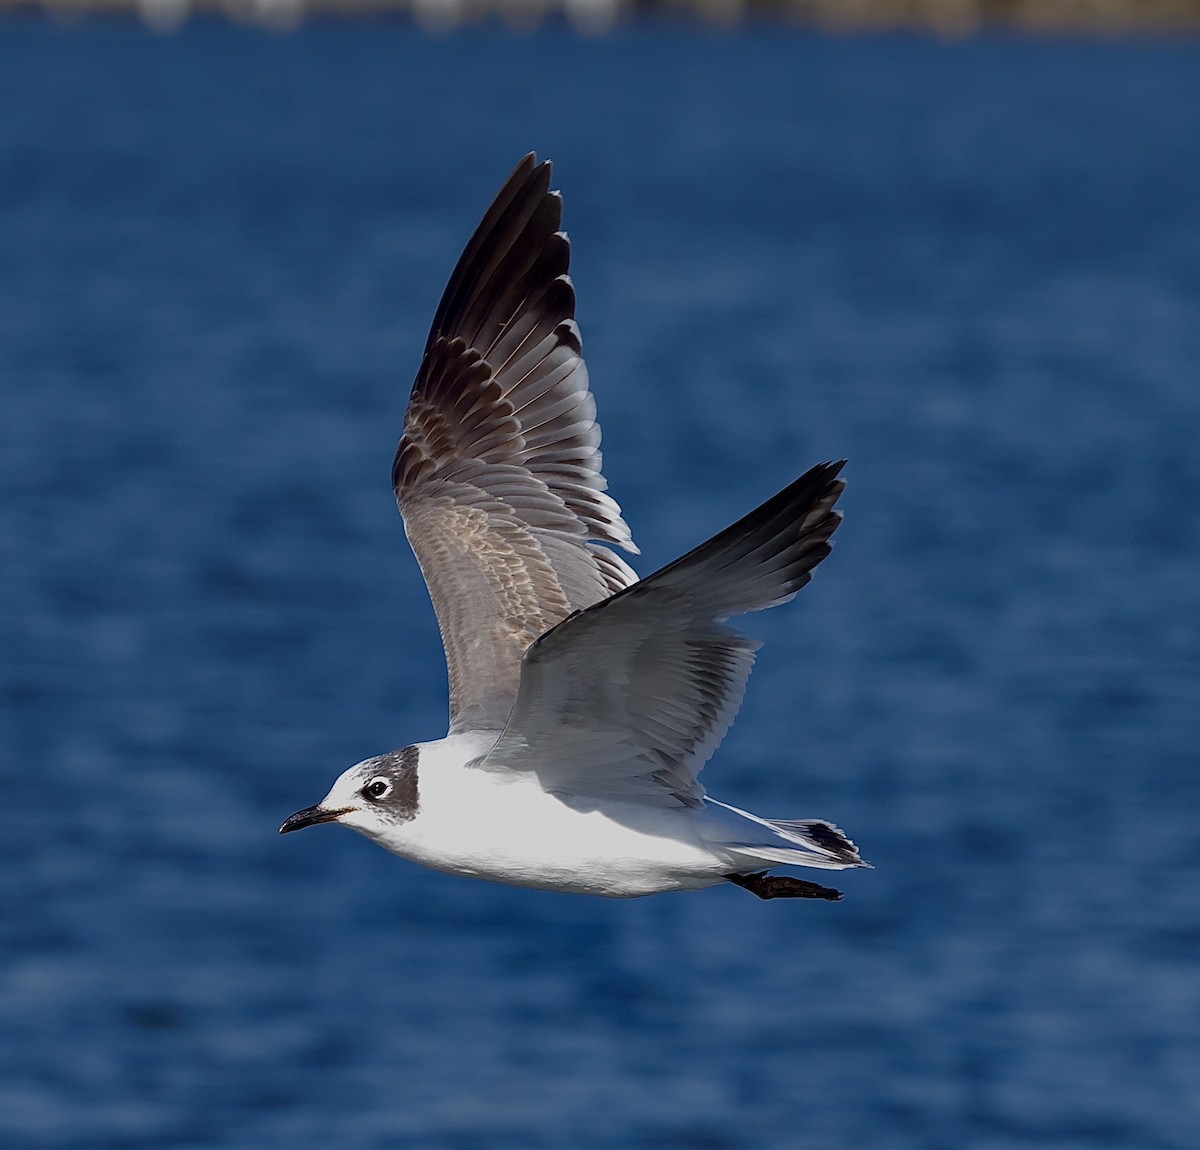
(498, 474)
(628, 699)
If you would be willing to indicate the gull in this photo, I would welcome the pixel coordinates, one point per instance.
(583, 701)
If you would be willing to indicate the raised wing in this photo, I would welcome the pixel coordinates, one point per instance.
(498, 472)
(629, 699)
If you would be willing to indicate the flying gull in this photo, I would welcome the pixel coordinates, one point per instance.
(583, 702)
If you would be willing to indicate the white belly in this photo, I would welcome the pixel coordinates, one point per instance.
(503, 827)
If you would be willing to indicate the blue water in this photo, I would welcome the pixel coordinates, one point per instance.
(972, 268)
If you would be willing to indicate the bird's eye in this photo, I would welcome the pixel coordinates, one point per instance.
(377, 788)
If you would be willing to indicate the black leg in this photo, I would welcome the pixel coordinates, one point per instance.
(783, 886)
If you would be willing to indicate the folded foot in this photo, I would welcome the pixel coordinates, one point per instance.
(782, 886)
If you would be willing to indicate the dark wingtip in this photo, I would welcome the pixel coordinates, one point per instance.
(525, 165)
(528, 165)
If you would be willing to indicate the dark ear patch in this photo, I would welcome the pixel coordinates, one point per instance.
(402, 768)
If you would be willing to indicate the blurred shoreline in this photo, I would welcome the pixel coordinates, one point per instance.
(946, 17)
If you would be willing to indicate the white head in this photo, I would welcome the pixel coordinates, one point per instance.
(373, 797)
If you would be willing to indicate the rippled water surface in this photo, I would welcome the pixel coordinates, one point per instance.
(972, 268)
